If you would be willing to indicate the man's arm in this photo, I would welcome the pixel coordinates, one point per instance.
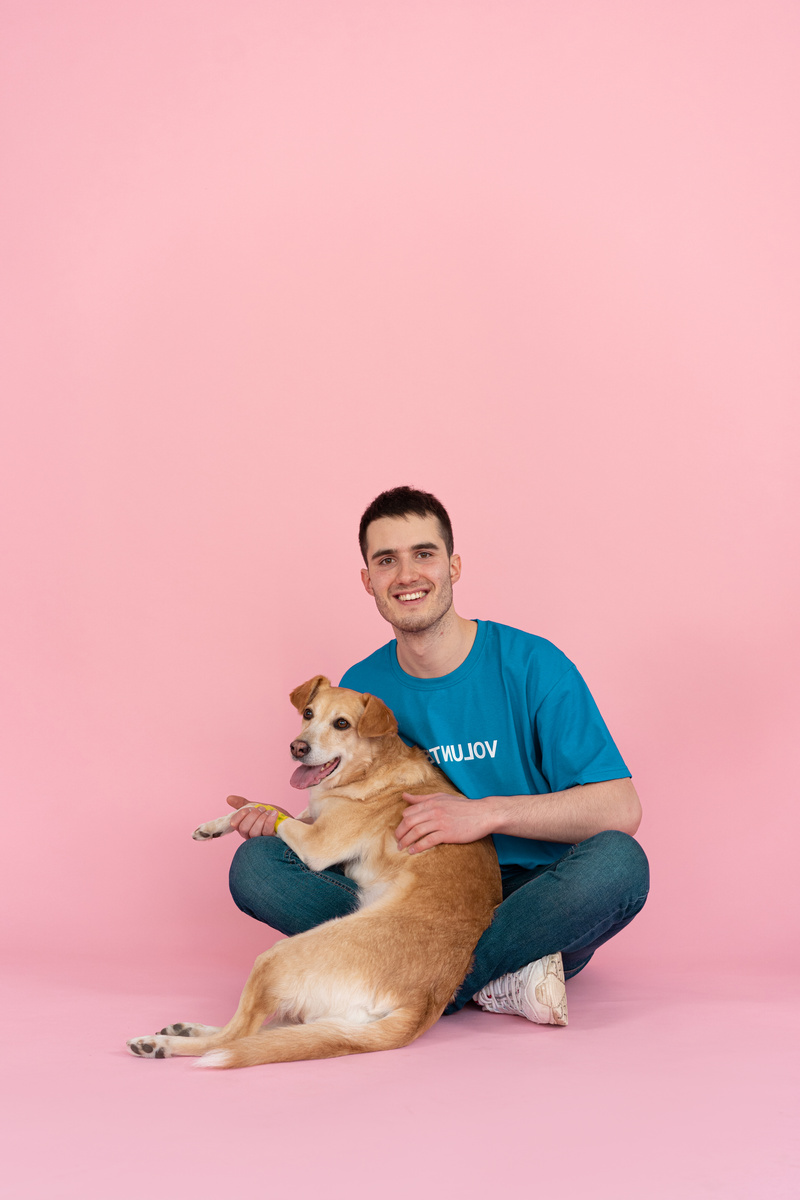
(569, 816)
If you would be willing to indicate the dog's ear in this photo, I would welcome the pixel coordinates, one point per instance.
(376, 719)
(306, 692)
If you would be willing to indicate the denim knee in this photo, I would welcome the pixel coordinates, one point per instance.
(251, 870)
(624, 862)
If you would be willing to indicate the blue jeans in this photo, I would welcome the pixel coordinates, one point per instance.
(572, 905)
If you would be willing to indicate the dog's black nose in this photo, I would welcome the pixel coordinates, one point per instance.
(299, 748)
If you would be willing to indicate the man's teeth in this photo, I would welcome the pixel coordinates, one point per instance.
(411, 596)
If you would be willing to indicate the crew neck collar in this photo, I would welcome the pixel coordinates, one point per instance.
(438, 682)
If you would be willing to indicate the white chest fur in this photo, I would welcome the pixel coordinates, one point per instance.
(370, 886)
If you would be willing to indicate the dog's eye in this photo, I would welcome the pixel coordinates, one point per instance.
(308, 714)
(340, 723)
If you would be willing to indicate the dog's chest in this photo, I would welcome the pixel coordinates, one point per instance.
(371, 884)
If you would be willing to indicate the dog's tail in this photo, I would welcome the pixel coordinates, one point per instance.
(328, 1038)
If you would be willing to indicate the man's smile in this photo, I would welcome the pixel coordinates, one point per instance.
(406, 597)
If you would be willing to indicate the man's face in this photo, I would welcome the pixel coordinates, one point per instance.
(408, 571)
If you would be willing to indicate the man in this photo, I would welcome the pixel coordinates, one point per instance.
(513, 725)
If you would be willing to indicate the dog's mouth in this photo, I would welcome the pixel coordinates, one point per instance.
(306, 777)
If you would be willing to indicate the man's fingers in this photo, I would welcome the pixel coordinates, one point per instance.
(254, 822)
(253, 819)
(419, 831)
(264, 824)
(411, 819)
(242, 822)
(432, 839)
(242, 814)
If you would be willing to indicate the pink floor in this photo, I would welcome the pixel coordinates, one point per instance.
(665, 1084)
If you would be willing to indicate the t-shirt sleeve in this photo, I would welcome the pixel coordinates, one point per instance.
(370, 675)
(348, 680)
(573, 738)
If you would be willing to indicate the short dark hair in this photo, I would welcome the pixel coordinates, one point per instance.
(405, 502)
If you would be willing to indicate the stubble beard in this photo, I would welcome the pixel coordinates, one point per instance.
(418, 622)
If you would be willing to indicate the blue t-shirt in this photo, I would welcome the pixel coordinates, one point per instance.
(515, 719)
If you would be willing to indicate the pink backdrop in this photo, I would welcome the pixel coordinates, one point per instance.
(265, 260)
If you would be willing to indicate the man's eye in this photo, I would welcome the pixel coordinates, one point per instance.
(308, 714)
(424, 554)
(385, 562)
(340, 723)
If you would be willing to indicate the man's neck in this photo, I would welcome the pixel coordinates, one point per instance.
(438, 650)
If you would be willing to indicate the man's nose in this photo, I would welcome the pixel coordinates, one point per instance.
(299, 748)
(407, 571)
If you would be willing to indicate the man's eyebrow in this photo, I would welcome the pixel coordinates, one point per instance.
(419, 546)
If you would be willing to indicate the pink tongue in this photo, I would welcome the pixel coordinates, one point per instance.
(306, 777)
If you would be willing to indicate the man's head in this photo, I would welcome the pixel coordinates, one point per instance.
(405, 502)
(407, 542)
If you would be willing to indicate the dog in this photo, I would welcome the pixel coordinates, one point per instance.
(379, 977)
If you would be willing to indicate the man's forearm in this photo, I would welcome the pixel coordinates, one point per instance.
(569, 816)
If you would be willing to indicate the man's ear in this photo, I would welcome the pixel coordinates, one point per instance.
(376, 719)
(367, 582)
(306, 691)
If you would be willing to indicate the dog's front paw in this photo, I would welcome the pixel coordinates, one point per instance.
(154, 1046)
(212, 829)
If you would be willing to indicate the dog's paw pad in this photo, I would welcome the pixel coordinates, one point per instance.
(200, 834)
(148, 1047)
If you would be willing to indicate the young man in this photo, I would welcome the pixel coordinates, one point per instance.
(512, 723)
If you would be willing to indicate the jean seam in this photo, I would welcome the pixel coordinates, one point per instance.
(288, 855)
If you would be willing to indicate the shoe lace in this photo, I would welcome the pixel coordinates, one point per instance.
(505, 993)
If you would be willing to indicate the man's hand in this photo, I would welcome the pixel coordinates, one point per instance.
(254, 822)
(440, 817)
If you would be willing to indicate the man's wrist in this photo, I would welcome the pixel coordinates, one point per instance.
(505, 813)
(496, 808)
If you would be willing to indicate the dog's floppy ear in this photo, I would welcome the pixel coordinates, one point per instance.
(376, 719)
(306, 691)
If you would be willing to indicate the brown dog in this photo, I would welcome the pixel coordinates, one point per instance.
(378, 978)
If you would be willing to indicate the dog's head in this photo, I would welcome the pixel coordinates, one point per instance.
(340, 735)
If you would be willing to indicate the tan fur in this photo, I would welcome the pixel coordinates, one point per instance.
(378, 978)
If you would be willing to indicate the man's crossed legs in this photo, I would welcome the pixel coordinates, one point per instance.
(572, 905)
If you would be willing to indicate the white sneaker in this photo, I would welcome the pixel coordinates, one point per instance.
(537, 992)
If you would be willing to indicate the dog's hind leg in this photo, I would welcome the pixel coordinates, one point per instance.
(191, 1029)
(259, 1001)
(327, 1038)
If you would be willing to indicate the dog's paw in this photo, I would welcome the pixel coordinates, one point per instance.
(189, 1029)
(154, 1046)
(209, 830)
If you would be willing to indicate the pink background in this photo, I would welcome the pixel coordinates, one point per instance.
(264, 260)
